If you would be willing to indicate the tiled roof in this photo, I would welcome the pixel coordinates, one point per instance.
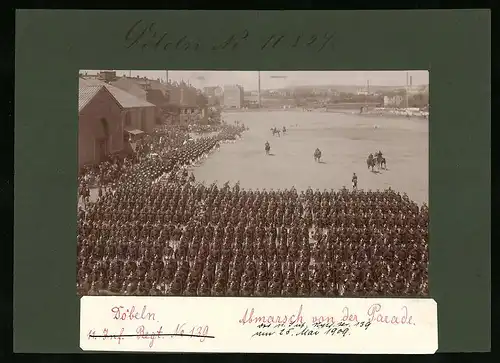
(125, 99)
(86, 92)
(148, 84)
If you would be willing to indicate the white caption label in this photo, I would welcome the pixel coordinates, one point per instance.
(259, 325)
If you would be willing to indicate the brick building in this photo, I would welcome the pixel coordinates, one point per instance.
(107, 115)
(100, 129)
(137, 113)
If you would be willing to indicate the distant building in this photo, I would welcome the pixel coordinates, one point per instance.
(412, 90)
(319, 92)
(393, 101)
(281, 92)
(213, 91)
(188, 96)
(364, 92)
(130, 85)
(332, 92)
(107, 76)
(148, 90)
(233, 96)
(251, 100)
(175, 99)
(213, 95)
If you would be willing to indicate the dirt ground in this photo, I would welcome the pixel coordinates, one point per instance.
(345, 141)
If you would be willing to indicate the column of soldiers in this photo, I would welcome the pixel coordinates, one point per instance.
(179, 237)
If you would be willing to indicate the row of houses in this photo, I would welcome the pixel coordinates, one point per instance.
(178, 96)
(114, 110)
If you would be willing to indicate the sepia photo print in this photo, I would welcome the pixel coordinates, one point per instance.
(253, 183)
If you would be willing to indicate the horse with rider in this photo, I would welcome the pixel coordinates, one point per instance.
(317, 155)
(376, 159)
(276, 131)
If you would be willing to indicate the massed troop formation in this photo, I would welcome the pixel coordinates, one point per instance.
(159, 232)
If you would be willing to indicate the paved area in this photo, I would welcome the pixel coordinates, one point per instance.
(345, 141)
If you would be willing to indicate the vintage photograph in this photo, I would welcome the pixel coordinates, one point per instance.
(253, 183)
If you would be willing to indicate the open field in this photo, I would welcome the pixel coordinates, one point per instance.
(345, 141)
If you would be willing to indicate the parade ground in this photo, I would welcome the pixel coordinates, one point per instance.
(345, 141)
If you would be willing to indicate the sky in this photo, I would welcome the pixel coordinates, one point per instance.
(270, 80)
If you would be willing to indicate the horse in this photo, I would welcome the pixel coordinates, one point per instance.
(383, 163)
(380, 160)
(370, 162)
(317, 155)
(268, 149)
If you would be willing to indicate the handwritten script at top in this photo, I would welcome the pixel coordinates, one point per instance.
(148, 36)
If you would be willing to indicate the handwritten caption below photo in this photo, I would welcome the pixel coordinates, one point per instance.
(258, 325)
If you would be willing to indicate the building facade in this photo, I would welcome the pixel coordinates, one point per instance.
(139, 118)
(251, 100)
(413, 90)
(362, 92)
(137, 113)
(213, 95)
(215, 91)
(233, 96)
(100, 128)
(393, 101)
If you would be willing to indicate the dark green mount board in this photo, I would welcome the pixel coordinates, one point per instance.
(51, 46)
